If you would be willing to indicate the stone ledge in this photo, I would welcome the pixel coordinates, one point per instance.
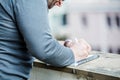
(105, 67)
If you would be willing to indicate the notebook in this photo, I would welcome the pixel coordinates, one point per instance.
(87, 59)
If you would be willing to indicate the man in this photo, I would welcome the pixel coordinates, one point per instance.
(25, 32)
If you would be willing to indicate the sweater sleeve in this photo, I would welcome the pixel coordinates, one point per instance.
(32, 21)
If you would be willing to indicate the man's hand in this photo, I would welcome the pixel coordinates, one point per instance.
(80, 48)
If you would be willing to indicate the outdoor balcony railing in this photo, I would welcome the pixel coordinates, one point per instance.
(106, 67)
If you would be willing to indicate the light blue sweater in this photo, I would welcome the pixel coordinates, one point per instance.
(25, 32)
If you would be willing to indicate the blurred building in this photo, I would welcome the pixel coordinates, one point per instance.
(97, 21)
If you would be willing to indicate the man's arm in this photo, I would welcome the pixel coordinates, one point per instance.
(32, 21)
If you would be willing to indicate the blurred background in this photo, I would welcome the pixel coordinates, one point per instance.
(96, 21)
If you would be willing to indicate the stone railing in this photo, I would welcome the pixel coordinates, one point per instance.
(106, 67)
